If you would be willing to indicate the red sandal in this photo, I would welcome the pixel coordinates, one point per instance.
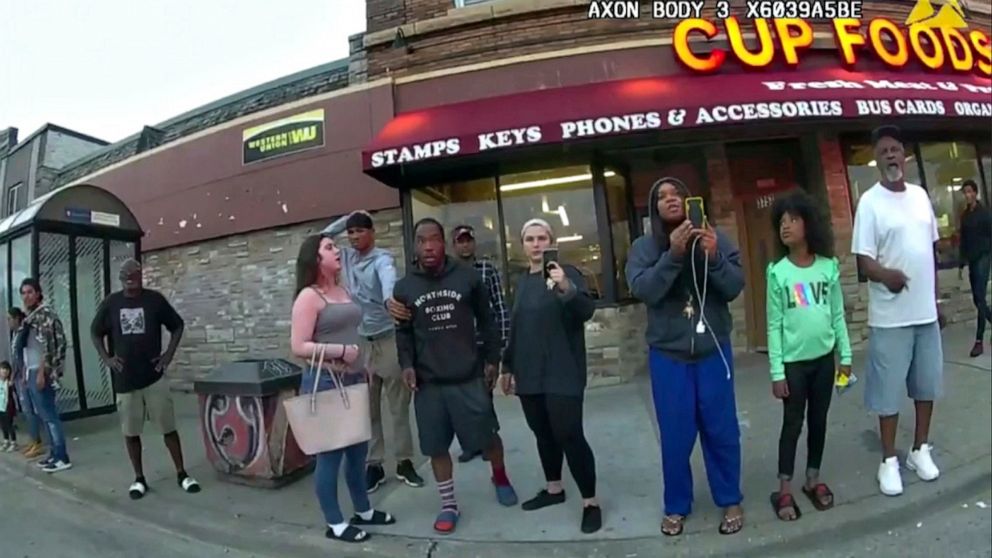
(818, 494)
(782, 501)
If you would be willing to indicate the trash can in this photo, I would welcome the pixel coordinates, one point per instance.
(243, 421)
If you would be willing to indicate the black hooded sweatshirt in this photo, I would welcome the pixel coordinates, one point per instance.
(439, 341)
(664, 283)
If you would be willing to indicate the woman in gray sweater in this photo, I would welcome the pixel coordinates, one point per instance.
(545, 366)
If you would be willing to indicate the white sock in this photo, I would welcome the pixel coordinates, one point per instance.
(338, 528)
(366, 515)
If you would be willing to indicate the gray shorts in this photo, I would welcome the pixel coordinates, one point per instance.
(446, 410)
(909, 356)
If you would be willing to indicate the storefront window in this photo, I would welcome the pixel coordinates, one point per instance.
(470, 203)
(946, 165)
(616, 201)
(564, 198)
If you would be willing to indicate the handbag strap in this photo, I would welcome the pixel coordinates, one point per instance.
(316, 364)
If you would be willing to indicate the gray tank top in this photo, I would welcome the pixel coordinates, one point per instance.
(337, 322)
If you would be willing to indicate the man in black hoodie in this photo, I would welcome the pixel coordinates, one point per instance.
(450, 376)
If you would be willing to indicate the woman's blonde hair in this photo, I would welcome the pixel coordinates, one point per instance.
(538, 223)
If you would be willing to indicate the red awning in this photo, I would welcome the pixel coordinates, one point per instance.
(570, 114)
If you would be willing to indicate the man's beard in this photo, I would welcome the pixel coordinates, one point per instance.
(893, 173)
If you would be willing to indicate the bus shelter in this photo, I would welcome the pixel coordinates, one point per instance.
(72, 240)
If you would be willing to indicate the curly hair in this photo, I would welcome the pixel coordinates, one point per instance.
(819, 234)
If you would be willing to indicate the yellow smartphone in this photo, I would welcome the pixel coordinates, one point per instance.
(695, 211)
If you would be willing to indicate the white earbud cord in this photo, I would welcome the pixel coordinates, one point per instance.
(703, 324)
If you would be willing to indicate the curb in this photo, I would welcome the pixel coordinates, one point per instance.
(855, 517)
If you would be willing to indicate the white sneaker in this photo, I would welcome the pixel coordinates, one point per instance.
(921, 462)
(889, 479)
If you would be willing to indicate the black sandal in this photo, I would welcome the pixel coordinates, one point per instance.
(678, 521)
(351, 534)
(378, 518)
(782, 501)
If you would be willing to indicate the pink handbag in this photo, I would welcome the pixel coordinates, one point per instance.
(331, 419)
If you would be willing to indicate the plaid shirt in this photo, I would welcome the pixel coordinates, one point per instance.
(490, 276)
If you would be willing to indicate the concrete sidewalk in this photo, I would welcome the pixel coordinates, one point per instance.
(622, 431)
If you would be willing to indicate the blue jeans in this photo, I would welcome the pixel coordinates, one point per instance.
(329, 466)
(978, 276)
(696, 399)
(48, 412)
(30, 413)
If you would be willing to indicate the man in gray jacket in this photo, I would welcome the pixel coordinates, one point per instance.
(370, 276)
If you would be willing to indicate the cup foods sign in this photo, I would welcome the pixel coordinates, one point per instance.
(945, 48)
(827, 106)
(284, 136)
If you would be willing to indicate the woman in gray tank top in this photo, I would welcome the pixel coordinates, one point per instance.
(325, 319)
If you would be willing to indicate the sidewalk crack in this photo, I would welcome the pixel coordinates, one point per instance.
(431, 548)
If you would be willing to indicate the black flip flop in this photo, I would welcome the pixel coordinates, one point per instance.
(351, 534)
(671, 519)
(378, 518)
(725, 523)
(779, 503)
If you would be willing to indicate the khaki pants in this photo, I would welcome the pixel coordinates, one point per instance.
(384, 366)
(153, 403)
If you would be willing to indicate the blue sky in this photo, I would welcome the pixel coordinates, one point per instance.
(108, 67)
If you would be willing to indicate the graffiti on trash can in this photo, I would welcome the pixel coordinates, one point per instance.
(235, 429)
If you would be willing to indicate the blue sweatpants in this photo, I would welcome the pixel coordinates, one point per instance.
(690, 399)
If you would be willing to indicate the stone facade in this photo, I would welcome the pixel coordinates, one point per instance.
(615, 344)
(236, 293)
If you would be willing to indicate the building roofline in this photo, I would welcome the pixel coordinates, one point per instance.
(213, 105)
(48, 126)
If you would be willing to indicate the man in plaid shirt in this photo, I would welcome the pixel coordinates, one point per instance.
(463, 238)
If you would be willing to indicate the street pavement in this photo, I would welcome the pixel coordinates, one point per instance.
(37, 522)
(243, 521)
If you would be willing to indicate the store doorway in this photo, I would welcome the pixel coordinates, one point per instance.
(760, 172)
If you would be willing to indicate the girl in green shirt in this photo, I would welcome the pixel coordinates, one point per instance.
(806, 327)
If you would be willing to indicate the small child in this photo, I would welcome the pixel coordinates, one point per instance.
(806, 326)
(7, 408)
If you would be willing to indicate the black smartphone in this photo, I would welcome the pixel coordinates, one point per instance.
(550, 255)
(695, 211)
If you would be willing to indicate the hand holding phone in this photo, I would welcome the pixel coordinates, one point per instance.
(549, 256)
(695, 212)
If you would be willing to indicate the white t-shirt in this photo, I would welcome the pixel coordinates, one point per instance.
(898, 229)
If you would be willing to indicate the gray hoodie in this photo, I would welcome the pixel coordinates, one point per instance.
(663, 283)
(370, 278)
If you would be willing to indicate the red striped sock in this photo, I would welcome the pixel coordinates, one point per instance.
(447, 491)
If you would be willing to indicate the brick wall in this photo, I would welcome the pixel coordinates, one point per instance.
(236, 293)
(445, 37)
(722, 208)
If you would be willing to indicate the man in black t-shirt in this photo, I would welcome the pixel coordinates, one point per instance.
(132, 319)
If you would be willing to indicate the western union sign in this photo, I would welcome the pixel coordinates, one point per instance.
(284, 136)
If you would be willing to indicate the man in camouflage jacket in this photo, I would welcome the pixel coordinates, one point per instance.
(41, 350)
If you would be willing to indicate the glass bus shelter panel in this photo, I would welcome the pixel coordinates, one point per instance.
(89, 286)
(53, 274)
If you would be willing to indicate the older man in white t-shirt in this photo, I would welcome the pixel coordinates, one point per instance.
(894, 234)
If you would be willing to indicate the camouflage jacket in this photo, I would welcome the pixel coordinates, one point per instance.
(48, 331)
